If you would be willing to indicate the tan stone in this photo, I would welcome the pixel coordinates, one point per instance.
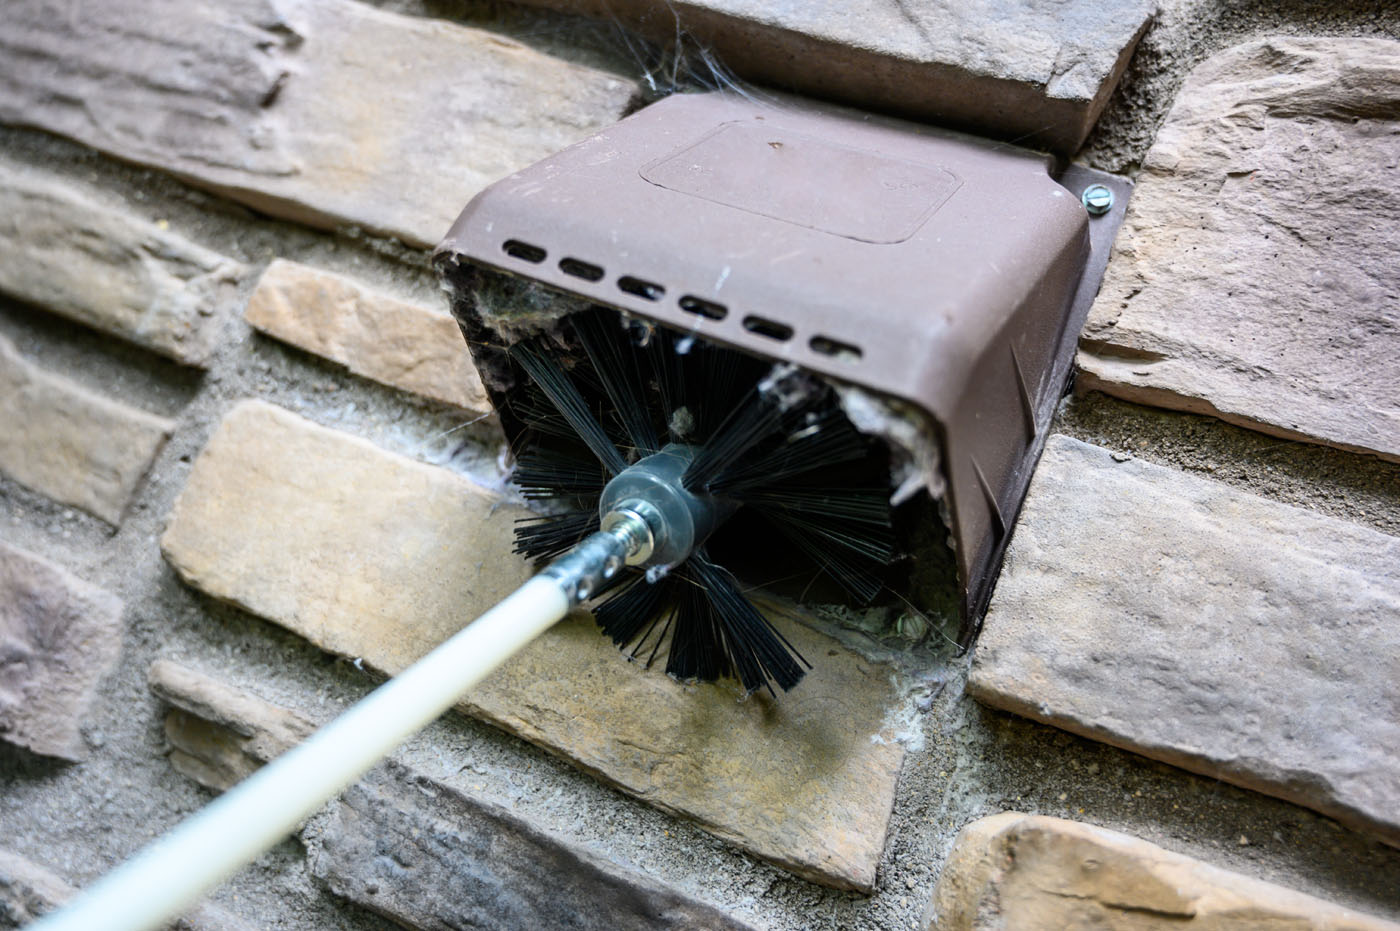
(365, 553)
(1182, 619)
(806, 782)
(1033, 873)
(1036, 71)
(29, 890)
(371, 555)
(219, 734)
(329, 112)
(70, 443)
(390, 341)
(1257, 275)
(67, 251)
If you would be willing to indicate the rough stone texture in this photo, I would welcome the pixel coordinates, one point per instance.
(1255, 277)
(430, 857)
(1186, 32)
(806, 782)
(219, 734)
(363, 552)
(1034, 873)
(28, 890)
(370, 555)
(58, 637)
(69, 252)
(1034, 71)
(253, 98)
(390, 341)
(1179, 618)
(70, 443)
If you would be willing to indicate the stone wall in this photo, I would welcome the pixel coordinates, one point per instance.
(247, 470)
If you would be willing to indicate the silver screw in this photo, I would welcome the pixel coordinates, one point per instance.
(1097, 199)
(628, 523)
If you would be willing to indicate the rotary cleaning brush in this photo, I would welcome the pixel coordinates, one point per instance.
(835, 339)
(675, 437)
(728, 338)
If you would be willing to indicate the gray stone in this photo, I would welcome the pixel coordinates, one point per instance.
(219, 734)
(371, 555)
(1182, 619)
(428, 856)
(58, 637)
(70, 443)
(1257, 276)
(396, 343)
(1033, 873)
(28, 891)
(328, 112)
(70, 252)
(1038, 72)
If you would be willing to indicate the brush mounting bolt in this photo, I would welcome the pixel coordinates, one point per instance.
(632, 520)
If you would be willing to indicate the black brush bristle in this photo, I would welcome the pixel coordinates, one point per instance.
(748, 644)
(609, 351)
(769, 439)
(552, 535)
(569, 401)
(633, 610)
(558, 471)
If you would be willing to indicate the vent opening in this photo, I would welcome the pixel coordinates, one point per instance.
(581, 269)
(703, 308)
(835, 348)
(523, 250)
(647, 289)
(769, 328)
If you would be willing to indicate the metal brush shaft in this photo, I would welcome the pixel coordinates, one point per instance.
(582, 571)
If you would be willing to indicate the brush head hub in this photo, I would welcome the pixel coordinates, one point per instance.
(652, 489)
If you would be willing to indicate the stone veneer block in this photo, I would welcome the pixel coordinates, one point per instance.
(1187, 621)
(371, 555)
(390, 341)
(1255, 277)
(69, 252)
(328, 112)
(70, 443)
(29, 891)
(58, 636)
(1035, 71)
(472, 864)
(1034, 873)
(220, 734)
(414, 850)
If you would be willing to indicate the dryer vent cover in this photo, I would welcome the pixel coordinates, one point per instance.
(939, 279)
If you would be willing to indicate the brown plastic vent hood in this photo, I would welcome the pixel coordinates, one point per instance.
(939, 279)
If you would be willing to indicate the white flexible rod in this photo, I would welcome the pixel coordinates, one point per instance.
(172, 873)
